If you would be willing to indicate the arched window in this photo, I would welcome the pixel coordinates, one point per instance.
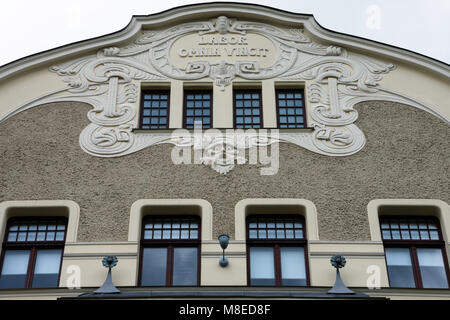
(277, 250)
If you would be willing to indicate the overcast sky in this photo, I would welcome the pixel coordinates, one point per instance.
(28, 27)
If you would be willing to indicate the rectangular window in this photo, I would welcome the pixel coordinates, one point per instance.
(32, 252)
(185, 266)
(15, 269)
(277, 251)
(247, 109)
(197, 108)
(46, 269)
(290, 108)
(170, 248)
(155, 109)
(400, 268)
(154, 267)
(432, 268)
(293, 271)
(262, 267)
(415, 252)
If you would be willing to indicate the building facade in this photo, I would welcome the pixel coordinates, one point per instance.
(298, 142)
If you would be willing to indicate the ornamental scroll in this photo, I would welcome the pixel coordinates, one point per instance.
(221, 50)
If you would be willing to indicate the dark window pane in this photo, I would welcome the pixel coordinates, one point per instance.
(202, 105)
(247, 103)
(185, 266)
(399, 268)
(46, 270)
(409, 228)
(154, 110)
(432, 268)
(14, 270)
(291, 98)
(262, 269)
(28, 231)
(293, 272)
(154, 262)
(12, 236)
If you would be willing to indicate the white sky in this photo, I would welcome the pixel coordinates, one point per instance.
(28, 27)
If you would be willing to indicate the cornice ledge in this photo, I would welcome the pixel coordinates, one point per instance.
(137, 22)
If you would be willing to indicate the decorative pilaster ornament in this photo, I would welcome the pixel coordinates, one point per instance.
(109, 80)
(108, 286)
(339, 287)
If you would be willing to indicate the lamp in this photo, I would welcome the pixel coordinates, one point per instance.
(224, 239)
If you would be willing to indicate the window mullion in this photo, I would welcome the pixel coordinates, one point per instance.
(277, 261)
(416, 267)
(169, 275)
(31, 265)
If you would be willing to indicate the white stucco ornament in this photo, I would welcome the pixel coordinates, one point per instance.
(336, 79)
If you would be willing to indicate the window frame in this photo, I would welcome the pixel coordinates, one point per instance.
(276, 244)
(277, 106)
(141, 113)
(33, 246)
(251, 91)
(198, 91)
(413, 245)
(170, 244)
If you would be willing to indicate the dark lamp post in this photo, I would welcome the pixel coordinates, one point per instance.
(224, 239)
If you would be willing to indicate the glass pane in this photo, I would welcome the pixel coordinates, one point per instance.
(184, 234)
(289, 233)
(185, 266)
(399, 267)
(262, 269)
(14, 271)
(292, 266)
(432, 268)
(46, 270)
(12, 236)
(434, 235)
(154, 261)
(22, 236)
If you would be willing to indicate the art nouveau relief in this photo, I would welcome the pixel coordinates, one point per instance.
(336, 80)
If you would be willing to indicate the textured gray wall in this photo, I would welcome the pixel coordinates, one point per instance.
(406, 156)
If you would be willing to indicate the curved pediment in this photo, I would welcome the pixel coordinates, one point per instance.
(225, 43)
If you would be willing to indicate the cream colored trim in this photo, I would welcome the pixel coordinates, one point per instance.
(23, 208)
(284, 206)
(269, 108)
(176, 105)
(143, 207)
(432, 207)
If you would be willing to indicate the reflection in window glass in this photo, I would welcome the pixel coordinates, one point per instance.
(290, 107)
(262, 269)
(198, 108)
(399, 267)
(247, 105)
(184, 266)
(154, 263)
(46, 270)
(154, 114)
(14, 270)
(293, 271)
(432, 269)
